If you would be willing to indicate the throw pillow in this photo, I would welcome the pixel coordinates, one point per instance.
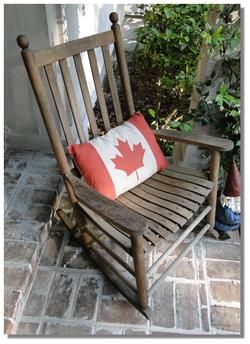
(121, 159)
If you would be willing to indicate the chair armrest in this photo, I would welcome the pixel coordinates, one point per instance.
(116, 214)
(206, 141)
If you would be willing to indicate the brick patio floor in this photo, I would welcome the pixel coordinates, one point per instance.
(68, 296)
(31, 182)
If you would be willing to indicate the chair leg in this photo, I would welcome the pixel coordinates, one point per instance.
(81, 223)
(140, 272)
(76, 228)
(213, 176)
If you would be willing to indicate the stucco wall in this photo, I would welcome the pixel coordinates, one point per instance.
(44, 25)
(22, 117)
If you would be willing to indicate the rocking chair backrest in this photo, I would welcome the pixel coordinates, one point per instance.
(38, 61)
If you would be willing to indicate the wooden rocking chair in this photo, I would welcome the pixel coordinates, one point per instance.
(176, 199)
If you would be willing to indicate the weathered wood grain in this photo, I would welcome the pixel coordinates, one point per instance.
(72, 98)
(188, 178)
(138, 191)
(86, 95)
(114, 213)
(74, 47)
(181, 184)
(173, 227)
(99, 89)
(175, 190)
(156, 208)
(149, 186)
(206, 141)
(58, 102)
(112, 84)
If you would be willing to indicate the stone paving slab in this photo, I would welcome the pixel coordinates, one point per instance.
(65, 330)
(82, 302)
(187, 307)
(24, 231)
(31, 185)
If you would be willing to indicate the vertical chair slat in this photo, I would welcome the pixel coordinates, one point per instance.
(58, 102)
(121, 59)
(99, 90)
(72, 99)
(85, 94)
(112, 83)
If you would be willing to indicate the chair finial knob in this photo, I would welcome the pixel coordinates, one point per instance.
(23, 41)
(114, 17)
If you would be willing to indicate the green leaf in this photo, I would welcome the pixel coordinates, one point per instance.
(175, 124)
(219, 30)
(155, 31)
(231, 100)
(223, 88)
(234, 113)
(167, 12)
(219, 99)
(168, 32)
(152, 112)
(187, 127)
(206, 37)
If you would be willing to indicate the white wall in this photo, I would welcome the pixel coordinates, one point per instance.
(45, 25)
(22, 117)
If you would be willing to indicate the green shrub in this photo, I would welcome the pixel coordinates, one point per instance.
(170, 42)
(219, 104)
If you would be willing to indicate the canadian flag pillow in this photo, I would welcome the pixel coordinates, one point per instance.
(121, 159)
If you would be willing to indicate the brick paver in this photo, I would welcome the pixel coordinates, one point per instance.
(187, 315)
(29, 196)
(61, 295)
(184, 304)
(225, 318)
(162, 304)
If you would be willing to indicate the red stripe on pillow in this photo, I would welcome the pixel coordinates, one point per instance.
(88, 160)
(140, 123)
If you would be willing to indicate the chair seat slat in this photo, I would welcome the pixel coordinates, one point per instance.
(189, 178)
(175, 190)
(148, 186)
(156, 228)
(72, 98)
(188, 171)
(157, 208)
(166, 204)
(181, 184)
(151, 236)
(149, 214)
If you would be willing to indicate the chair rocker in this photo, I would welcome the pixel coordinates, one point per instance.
(120, 234)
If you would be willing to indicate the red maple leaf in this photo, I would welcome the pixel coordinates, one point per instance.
(130, 160)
